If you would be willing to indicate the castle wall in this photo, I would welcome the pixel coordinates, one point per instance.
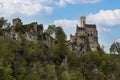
(72, 38)
(80, 33)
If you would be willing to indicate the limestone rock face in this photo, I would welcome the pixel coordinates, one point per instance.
(30, 31)
(85, 38)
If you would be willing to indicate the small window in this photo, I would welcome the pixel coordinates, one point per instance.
(83, 52)
(88, 35)
(91, 34)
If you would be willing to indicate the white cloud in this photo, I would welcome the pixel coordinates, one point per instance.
(66, 23)
(25, 7)
(64, 2)
(101, 29)
(33, 7)
(105, 17)
(82, 1)
(118, 40)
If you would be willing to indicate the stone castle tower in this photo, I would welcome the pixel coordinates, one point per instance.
(17, 21)
(85, 38)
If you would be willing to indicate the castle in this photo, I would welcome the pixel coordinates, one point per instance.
(85, 38)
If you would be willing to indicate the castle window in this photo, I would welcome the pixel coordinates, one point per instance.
(91, 34)
(88, 35)
(83, 52)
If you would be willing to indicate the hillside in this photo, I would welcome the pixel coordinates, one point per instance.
(47, 56)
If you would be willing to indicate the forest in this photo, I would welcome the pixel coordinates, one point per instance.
(27, 60)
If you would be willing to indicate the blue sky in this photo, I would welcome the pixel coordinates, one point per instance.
(66, 13)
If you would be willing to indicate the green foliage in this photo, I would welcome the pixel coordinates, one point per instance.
(2, 21)
(50, 72)
(59, 50)
(115, 48)
(20, 29)
(51, 30)
(49, 58)
(65, 76)
(76, 74)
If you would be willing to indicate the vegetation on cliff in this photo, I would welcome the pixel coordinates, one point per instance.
(27, 60)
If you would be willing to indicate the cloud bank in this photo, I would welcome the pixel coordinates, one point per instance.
(33, 7)
(24, 7)
(104, 20)
(105, 17)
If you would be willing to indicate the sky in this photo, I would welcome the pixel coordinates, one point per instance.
(66, 13)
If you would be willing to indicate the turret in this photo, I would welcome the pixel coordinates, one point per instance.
(83, 21)
(17, 21)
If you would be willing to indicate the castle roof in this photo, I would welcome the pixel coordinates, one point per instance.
(90, 25)
(80, 28)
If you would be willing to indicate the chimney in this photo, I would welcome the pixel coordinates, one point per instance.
(83, 19)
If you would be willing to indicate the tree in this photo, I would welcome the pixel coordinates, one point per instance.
(115, 48)
(3, 25)
(75, 74)
(8, 48)
(59, 50)
(2, 21)
(51, 30)
(51, 74)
